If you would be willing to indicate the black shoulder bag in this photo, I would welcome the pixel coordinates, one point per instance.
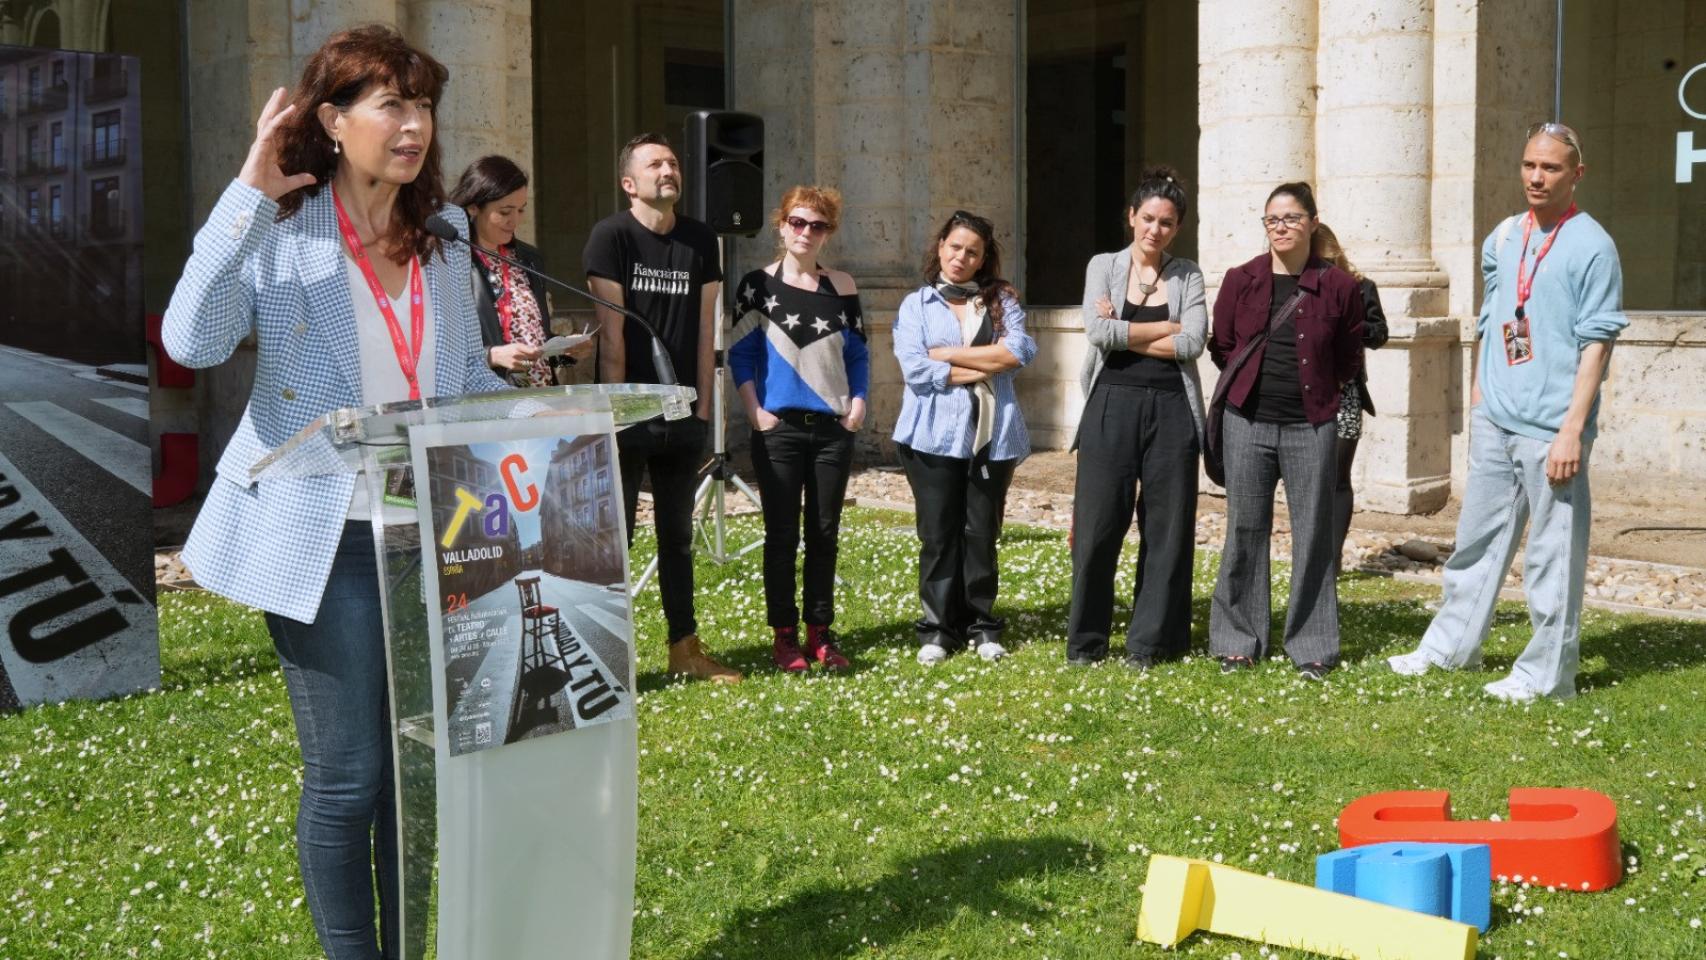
(1214, 450)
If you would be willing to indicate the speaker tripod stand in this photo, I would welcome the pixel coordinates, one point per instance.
(710, 501)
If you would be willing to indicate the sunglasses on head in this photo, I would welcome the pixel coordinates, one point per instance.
(801, 225)
(1559, 132)
(962, 216)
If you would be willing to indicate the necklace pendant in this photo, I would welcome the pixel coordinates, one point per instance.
(1146, 288)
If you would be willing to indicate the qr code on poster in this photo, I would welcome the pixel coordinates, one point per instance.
(483, 733)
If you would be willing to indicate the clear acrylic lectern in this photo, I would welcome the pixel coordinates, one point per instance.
(503, 563)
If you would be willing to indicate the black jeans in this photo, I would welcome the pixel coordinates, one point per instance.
(808, 453)
(1137, 446)
(672, 451)
(960, 504)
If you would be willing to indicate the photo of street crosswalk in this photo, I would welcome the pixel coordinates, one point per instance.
(76, 538)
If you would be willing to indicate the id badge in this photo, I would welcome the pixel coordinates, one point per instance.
(1519, 346)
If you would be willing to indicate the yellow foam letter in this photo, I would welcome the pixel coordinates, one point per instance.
(1183, 895)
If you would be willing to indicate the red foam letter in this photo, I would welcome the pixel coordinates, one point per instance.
(515, 462)
(1556, 837)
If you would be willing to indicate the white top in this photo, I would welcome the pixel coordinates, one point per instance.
(382, 379)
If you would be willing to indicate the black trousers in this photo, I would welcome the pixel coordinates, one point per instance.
(809, 454)
(672, 451)
(1136, 446)
(960, 504)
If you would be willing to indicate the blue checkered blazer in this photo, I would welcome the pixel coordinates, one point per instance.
(270, 544)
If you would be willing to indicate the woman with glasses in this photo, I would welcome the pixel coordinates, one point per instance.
(959, 338)
(800, 362)
(1287, 336)
(1354, 400)
(1141, 424)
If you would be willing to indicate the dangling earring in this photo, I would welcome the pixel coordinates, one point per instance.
(336, 147)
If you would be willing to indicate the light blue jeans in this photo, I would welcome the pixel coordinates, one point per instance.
(1507, 487)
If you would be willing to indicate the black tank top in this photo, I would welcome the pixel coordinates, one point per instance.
(1127, 368)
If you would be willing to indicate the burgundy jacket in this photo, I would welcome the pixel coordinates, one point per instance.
(1329, 325)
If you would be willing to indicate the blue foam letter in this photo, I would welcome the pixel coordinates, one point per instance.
(1452, 880)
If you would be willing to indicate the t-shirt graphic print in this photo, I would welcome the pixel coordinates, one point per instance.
(662, 277)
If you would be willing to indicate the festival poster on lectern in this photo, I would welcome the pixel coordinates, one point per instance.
(528, 572)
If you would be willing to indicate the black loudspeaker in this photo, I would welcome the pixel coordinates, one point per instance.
(723, 166)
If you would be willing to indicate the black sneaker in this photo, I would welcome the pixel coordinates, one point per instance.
(1139, 662)
(1314, 671)
(1079, 660)
(1235, 664)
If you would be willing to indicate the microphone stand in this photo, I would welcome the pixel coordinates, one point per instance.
(445, 230)
(709, 501)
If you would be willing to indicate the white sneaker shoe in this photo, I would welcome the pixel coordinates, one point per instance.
(931, 654)
(1511, 690)
(991, 651)
(1412, 664)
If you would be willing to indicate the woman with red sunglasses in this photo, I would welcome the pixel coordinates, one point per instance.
(802, 367)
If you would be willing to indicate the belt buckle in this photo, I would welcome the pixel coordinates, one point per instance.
(808, 417)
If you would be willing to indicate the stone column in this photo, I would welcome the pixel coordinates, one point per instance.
(1256, 89)
(488, 106)
(906, 107)
(1375, 173)
(1256, 110)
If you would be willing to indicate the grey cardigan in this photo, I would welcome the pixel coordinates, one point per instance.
(1106, 276)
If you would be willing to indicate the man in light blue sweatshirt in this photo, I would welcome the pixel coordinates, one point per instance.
(1552, 308)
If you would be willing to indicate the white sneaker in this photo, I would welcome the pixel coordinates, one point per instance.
(990, 650)
(1412, 664)
(1511, 690)
(931, 654)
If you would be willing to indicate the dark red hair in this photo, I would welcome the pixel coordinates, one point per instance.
(339, 73)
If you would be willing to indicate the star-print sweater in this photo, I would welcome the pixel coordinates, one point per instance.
(802, 350)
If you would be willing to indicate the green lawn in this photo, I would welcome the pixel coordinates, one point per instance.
(968, 811)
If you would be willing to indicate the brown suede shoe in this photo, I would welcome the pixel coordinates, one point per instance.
(687, 658)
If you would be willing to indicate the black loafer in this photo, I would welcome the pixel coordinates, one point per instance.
(1078, 661)
(1139, 662)
(1314, 671)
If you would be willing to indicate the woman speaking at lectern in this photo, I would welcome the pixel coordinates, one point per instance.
(319, 249)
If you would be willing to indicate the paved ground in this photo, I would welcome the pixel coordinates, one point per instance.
(76, 589)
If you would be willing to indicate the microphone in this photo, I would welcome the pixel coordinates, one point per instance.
(445, 230)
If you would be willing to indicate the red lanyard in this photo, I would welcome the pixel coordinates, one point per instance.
(1524, 282)
(503, 304)
(408, 358)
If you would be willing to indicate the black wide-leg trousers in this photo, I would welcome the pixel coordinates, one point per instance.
(1137, 446)
(959, 506)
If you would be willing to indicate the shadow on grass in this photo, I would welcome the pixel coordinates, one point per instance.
(941, 890)
(1637, 647)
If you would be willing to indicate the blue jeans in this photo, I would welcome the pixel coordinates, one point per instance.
(346, 825)
(1507, 486)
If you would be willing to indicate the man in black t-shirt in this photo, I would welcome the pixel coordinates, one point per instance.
(666, 268)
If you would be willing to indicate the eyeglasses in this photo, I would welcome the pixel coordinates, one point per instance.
(1558, 132)
(801, 225)
(1289, 221)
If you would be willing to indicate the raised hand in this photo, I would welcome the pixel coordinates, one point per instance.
(260, 168)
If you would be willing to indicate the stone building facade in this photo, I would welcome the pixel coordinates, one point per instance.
(1407, 115)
